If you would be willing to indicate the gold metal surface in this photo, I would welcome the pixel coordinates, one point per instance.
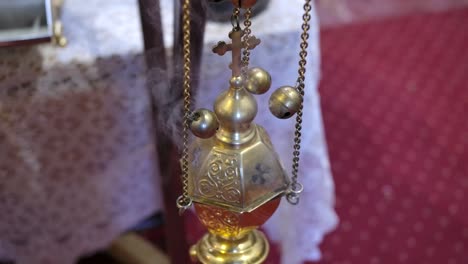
(58, 37)
(235, 109)
(246, 40)
(184, 202)
(228, 224)
(235, 177)
(285, 102)
(296, 188)
(204, 124)
(258, 81)
(251, 248)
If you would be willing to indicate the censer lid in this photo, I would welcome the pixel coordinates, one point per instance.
(235, 109)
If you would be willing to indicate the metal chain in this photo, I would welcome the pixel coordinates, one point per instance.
(235, 18)
(296, 188)
(184, 201)
(246, 38)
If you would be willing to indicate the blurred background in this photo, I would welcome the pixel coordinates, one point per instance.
(389, 134)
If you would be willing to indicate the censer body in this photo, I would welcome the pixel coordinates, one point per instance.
(236, 180)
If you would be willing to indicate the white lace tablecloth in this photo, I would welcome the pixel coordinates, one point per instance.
(77, 158)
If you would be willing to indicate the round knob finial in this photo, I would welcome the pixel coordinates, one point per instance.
(236, 82)
(235, 109)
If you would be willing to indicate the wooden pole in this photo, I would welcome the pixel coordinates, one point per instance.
(168, 152)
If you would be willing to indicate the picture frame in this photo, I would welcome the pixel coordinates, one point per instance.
(28, 22)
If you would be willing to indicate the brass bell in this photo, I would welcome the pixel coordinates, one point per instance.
(285, 102)
(258, 81)
(204, 124)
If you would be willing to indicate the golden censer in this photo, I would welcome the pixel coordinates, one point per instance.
(231, 172)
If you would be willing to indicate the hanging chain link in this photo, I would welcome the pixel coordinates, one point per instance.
(184, 201)
(245, 40)
(235, 18)
(296, 188)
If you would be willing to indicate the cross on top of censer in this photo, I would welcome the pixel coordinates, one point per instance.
(236, 47)
(222, 47)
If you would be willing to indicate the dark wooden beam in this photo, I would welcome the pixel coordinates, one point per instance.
(151, 24)
(168, 151)
(175, 234)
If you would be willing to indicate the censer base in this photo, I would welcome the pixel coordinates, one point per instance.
(252, 248)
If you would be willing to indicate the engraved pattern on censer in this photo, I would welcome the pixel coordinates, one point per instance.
(222, 181)
(219, 221)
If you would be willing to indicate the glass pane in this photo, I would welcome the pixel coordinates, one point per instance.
(25, 20)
